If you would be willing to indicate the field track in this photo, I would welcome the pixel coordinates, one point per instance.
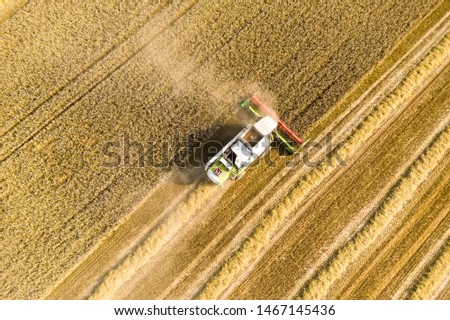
(153, 70)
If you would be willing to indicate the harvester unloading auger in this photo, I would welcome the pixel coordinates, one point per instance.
(251, 143)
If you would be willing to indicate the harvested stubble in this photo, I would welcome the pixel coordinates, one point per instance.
(154, 242)
(403, 193)
(262, 235)
(391, 266)
(431, 281)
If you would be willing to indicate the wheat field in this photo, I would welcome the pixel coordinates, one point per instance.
(78, 80)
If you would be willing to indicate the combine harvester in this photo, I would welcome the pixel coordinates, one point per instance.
(251, 143)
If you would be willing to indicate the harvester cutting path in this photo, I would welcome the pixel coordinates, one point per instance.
(251, 143)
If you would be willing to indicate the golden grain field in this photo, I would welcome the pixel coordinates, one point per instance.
(77, 80)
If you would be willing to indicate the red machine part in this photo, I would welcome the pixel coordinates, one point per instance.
(281, 123)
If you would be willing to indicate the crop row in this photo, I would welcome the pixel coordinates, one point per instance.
(400, 196)
(432, 280)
